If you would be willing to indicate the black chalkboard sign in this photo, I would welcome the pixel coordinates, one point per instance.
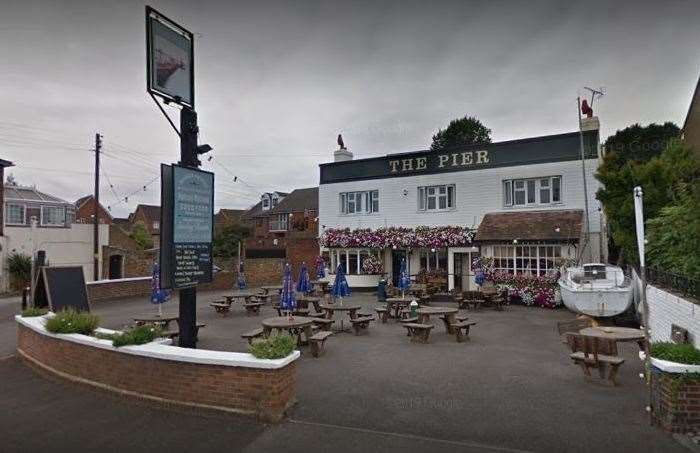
(59, 288)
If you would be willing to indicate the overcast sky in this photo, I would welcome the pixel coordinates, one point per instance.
(277, 81)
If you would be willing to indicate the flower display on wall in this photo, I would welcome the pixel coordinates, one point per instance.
(372, 266)
(400, 237)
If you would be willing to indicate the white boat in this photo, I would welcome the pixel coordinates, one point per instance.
(595, 289)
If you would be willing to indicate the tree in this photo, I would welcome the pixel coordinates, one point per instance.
(625, 166)
(140, 234)
(19, 266)
(461, 132)
(226, 240)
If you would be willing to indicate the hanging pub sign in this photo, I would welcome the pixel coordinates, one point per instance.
(187, 226)
(169, 59)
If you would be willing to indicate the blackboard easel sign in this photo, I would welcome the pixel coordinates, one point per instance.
(61, 288)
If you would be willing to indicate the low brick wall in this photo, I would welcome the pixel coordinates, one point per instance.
(675, 401)
(118, 289)
(196, 379)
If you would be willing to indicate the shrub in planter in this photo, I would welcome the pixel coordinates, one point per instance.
(274, 347)
(20, 267)
(133, 335)
(31, 312)
(680, 353)
(71, 321)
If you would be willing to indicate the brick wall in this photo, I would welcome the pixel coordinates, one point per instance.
(118, 289)
(84, 212)
(666, 308)
(675, 401)
(266, 393)
(264, 271)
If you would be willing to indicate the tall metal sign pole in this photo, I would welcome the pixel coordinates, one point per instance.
(96, 211)
(187, 194)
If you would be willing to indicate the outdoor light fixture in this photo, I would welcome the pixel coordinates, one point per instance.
(515, 241)
(557, 229)
(432, 250)
(203, 149)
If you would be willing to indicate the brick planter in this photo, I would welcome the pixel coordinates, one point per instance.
(217, 380)
(675, 400)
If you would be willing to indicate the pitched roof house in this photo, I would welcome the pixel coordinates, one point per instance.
(149, 215)
(85, 210)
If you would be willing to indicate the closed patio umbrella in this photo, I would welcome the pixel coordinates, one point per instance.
(320, 267)
(241, 276)
(340, 286)
(158, 296)
(304, 284)
(404, 278)
(287, 300)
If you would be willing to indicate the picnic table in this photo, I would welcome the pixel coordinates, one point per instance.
(268, 288)
(397, 303)
(238, 295)
(322, 283)
(161, 321)
(449, 314)
(296, 326)
(330, 309)
(616, 334)
(304, 301)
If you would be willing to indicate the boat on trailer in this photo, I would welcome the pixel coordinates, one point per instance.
(596, 289)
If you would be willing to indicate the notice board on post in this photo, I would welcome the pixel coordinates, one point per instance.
(187, 226)
(61, 288)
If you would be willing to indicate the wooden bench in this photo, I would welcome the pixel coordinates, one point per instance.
(323, 323)
(253, 308)
(253, 334)
(320, 315)
(361, 323)
(382, 313)
(172, 334)
(301, 312)
(460, 326)
(471, 303)
(419, 333)
(318, 341)
(221, 308)
(591, 358)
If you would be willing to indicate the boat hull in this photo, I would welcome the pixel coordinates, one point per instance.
(601, 303)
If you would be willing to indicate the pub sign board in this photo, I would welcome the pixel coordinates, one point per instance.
(187, 226)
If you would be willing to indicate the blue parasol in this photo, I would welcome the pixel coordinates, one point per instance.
(340, 286)
(320, 268)
(404, 278)
(241, 276)
(480, 277)
(304, 284)
(158, 296)
(287, 300)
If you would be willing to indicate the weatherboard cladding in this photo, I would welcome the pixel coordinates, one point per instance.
(550, 148)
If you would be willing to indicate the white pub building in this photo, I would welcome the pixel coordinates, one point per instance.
(520, 202)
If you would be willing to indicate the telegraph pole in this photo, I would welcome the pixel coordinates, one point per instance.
(188, 296)
(95, 218)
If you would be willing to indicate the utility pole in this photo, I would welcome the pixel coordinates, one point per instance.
(95, 218)
(188, 296)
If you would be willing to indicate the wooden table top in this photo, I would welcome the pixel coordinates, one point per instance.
(284, 322)
(156, 318)
(340, 307)
(436, 310)
(309, 298)
(242, 294)
(614, 333)
(320, 282)
(270, 287)
(400, 299)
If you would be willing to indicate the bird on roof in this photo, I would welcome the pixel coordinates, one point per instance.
(340, 142)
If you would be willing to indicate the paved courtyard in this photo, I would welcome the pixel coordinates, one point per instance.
(510, 388)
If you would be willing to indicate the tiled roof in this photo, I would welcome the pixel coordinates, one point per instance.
(563, 225)
(298, 201)
(229, 214)
(151, 212)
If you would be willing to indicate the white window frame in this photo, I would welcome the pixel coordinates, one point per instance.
(502, 253)
(426, 194)
(43, 216)
(531, 187)
(156, 225)
(362, 202)
(280, 222)
(24, 213)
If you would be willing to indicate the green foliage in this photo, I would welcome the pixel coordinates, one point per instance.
(20, 267)
(461, 132)
(275, 347)
(226, 240)
(31, 312)
(660, 178)
(638, 144)
(134, 335)
(680, 353)
(71, 321)
(140, 234)
(674, 235)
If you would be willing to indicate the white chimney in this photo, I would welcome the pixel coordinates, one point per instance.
(342, 155)
(590, 124)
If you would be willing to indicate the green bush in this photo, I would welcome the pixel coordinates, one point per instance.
(71, 321)
(679, 353)
(275, 347)
(31, 312)
(135, 335)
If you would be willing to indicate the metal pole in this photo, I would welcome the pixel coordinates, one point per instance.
(95, 218)
(188, 296)
(585, 184)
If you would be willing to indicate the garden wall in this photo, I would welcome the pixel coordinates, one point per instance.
(217, 380)
(667, 308)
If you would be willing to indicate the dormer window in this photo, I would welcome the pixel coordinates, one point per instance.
(266, 202)
(274, 201)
